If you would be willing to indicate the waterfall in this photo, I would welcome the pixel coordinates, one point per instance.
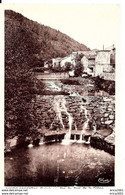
(85, 125)
(94, 128)
(59, 107)
(74, 137)
(64, 109)
(41, 141)
(76, 127)
(68, 135)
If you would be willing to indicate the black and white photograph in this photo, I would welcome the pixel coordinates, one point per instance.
(60, 100)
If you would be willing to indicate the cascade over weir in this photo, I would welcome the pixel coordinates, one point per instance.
(59, 106)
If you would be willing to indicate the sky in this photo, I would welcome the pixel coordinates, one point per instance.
(94, 25)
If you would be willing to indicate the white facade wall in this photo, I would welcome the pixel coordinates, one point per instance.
(103, 57)
(107, 68)
(55, 61)
(73, 58)
(102, 62)
(70, 59)
(85, 63)
(98, 69)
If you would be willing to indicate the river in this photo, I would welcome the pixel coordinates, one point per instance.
(55, 164)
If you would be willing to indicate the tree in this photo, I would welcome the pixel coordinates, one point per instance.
(78, 69)
(68, 66)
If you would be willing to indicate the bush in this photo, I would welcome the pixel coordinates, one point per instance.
(78, 69)
(105, 85)
(68, 66)
(70, 82)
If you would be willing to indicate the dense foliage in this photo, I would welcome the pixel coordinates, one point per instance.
(78, 71)
(104, 85)
(43, 41)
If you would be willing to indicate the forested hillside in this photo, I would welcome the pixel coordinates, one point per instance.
(25, 38)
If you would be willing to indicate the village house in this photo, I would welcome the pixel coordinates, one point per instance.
(102, 62)
(73, 57)
(56, 62)
(88, 62)
(105, 64)
(95, 62)
(99, 62)
(70, 59)
(112, 57)
(48, 64)
(64, 60)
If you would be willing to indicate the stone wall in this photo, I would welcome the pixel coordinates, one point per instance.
(106, 144)
(48, 76)
(54, 112)
(100, 112)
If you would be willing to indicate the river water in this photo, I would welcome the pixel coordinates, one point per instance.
(59, 165)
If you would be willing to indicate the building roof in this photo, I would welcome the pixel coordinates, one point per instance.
(91, 57)
(103, 51)
(90, 52)
(69, 56)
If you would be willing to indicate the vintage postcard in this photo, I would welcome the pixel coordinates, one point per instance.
(61, 69)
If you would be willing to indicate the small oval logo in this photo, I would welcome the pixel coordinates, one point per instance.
(102, 180)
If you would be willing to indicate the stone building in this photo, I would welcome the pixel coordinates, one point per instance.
(70, 59)
(88, 62)
(105, 64)
(102, 62)
(112, 57)
(56, 62)
(95, 62)
(48, 64)
(65, 59)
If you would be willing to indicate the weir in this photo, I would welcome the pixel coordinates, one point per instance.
(71, 135)
(65, 134)
(68, 129)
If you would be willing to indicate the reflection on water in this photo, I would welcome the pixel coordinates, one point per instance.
(59, 165)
